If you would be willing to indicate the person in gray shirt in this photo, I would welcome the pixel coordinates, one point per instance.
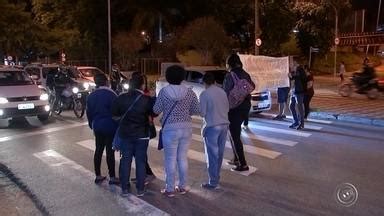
(214, 108)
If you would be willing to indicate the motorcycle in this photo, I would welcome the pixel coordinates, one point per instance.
(372, 88)
(71, 98)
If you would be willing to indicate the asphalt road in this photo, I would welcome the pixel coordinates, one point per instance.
(293, 172)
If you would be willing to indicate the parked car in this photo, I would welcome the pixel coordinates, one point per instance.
(260, 101)
(20, 96)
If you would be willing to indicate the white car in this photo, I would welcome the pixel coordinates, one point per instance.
(260, 101)
(20, 96)
(87, 72)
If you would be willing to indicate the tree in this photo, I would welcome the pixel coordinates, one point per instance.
(314, 30)
(126, 45)
(207, 37)
(277, 22)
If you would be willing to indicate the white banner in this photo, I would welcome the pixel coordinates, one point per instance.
(267, 73)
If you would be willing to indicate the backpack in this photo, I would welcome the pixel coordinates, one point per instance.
(241, 89)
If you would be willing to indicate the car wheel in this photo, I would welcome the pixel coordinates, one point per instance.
(373, 93)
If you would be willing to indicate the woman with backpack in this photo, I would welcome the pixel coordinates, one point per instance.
(240, 105)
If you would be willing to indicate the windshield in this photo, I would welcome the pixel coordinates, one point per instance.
(8, 78)
(89, 72)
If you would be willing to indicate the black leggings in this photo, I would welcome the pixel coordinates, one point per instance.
(236, 118)
(307, 101)
(104, 141)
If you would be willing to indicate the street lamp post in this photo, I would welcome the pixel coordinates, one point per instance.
(109, 39)
(257, 26)
(336, 36)
(378, 15)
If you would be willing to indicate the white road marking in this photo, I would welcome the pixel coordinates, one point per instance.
(312, 127)
(192, 154)
(131, 204)
(311, 120)
(247, 148)
(44, 131)
(257, 137)
(277, 130)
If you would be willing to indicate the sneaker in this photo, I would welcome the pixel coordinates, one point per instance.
(278, 117)
(245, 127)
(125, 193)
(283, 116)
(167, 193)
(114, 181)
(181, 190)
(99, 179)
(240, 168)
(140, 193)
(209, 186)
(294, 125)
(232, 163)
(300, 127)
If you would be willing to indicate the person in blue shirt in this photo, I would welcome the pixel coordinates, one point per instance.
(99, 113)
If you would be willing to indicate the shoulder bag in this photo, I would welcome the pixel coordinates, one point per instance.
(160, 144)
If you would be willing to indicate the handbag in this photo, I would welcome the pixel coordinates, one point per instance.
(160, 143)
(116, 143)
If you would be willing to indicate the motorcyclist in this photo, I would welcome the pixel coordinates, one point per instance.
(115, 77)
(367, 74)
(62, 83)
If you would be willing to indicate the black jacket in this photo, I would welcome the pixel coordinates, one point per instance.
(135, 124)
(300, 81)
(228, 86)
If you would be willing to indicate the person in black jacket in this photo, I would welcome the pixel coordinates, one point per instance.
(100, 120)
(297, 98)
(134, 108)
(238, 114)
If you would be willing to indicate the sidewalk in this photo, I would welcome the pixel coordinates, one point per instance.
(15, 198)
(327, 104)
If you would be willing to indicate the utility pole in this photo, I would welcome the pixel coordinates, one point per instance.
(378, 15)
(109, 39)
(257, 26)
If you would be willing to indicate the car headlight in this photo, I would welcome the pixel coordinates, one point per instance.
(3, 100)
(125, 86)
(86, 86)
(75, 90)
(44, 96)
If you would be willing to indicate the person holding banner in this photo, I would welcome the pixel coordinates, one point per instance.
(297, 98)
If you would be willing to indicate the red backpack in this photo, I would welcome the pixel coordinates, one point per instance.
(241, 89)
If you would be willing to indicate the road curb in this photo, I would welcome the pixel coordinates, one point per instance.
(347, 118)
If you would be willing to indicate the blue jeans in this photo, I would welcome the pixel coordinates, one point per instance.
(297, 100)
(133, 148)
(214, 140)
(176, 143)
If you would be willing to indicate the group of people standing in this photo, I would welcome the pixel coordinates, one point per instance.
(128, 118)
(302, 91)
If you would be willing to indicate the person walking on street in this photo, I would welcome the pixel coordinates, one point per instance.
(309, 92)
(99, 115)
(342, 71)
(214, 107)
(177, 103)
(238, 114)
(115, 77)
(134, 108)
(297, 98)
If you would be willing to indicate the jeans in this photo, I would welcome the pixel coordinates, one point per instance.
(236, 117)
(133, 148)
(104, 141)
(297, 100)
(176, 143)
(214, 139)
